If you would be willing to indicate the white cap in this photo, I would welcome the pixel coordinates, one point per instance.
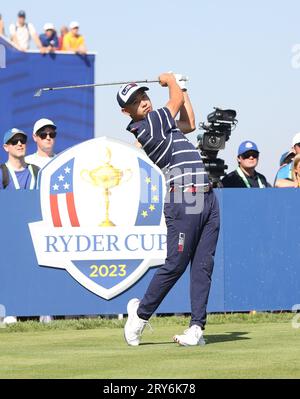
(74, 24)
(49, 26)
(42, 123)
(296, 139)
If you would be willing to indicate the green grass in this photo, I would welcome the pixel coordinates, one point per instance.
(238, 346)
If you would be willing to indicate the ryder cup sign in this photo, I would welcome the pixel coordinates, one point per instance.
(102, 209)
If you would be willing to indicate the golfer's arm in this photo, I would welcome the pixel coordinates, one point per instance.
(186, 122)
(176, 100)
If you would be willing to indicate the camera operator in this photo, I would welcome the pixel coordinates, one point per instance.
(245, 176)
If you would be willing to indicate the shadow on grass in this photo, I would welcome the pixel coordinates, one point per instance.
(157, 343)
(230, 336)
(209, 339)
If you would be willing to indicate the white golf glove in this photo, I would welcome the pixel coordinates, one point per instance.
(181, 83)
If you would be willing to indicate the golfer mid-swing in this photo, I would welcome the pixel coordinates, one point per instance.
(192, 230)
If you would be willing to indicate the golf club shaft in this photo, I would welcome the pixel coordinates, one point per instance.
(39, 92)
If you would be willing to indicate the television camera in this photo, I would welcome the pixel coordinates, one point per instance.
(217, 129)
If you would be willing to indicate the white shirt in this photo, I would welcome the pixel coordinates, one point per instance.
(23, 33)
(36, 159)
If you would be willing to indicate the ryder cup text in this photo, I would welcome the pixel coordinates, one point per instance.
(104, 243)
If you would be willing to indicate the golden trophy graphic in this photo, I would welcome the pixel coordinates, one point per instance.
(107, 177)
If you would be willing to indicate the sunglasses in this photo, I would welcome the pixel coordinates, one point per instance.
(15, 141)
(43, 135)
(249, 154)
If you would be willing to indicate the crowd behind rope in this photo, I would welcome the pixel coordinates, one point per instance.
(21, 32)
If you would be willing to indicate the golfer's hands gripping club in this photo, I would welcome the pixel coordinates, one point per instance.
(181, 81)
(166, 78)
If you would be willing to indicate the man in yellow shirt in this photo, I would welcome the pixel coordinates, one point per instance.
(73, 41)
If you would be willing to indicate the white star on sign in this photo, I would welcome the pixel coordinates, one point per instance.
(67, 170)
(55, 187)
(61, 178)
(66, 186)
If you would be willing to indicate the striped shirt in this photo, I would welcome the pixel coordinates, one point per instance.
(169, 149)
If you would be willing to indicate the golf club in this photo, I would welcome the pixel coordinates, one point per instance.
(39, 92)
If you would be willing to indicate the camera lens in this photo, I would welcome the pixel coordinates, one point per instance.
(213, 141)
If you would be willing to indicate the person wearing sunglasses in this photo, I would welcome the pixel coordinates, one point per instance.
(16, 173)
(245, 176)
(44, 133)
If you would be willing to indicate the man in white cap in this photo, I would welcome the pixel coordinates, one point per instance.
(49, 39)
(284, 175)
(73, 41)
(44, 133)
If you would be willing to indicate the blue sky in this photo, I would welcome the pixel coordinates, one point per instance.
(237, 54)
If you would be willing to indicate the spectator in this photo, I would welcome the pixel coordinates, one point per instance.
(286, 158)
(296, 171)
(1, 26)
(63, 31)
(49, 39)
(284, 176)
(21, 32)
(294, 179)
(73, 41)
(44, 133)
(245, 176)
(16, 174)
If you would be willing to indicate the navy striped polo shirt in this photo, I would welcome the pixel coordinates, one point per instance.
(169, 149)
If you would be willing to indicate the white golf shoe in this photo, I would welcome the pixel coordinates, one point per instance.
(191, 337)
(134, 325)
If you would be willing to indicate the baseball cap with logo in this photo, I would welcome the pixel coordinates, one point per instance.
(247, 146)
(296, 139)
(42, 123)
(126, 93)
(11, 133)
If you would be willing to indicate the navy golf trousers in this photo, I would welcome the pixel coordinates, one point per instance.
(191, 238)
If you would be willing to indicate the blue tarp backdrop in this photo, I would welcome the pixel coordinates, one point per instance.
(71, 110)
(257, 261)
